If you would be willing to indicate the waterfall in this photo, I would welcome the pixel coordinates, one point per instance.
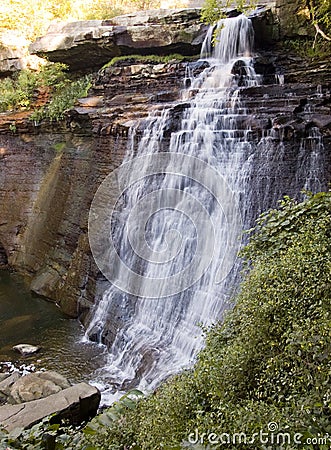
(184, 194)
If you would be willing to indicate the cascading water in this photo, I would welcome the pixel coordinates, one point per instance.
(178, 209)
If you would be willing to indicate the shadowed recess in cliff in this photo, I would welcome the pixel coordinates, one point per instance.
(3, 256)
(176, 211)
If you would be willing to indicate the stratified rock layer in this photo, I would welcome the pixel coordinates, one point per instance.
(90, 44)
(43, 228)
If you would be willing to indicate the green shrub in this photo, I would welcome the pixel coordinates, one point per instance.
(21, 91)
(64, 97)
(18, 92)
(307, 49)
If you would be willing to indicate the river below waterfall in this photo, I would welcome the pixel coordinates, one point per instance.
(27, 318)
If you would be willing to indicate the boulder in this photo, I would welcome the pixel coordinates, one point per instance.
(14, 54)
(26, 349)
(3, 376)
(37, 385)
(76, 404)
(6, 385)
(92, 43)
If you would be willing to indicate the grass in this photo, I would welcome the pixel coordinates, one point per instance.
(151, 59)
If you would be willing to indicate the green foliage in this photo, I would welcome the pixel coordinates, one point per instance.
(214, 10)
(42, 436)
(152, 59)
(12, 127)
(22, 91)
(17, 92)
(306, 49)
(321, 13)
(63, 98)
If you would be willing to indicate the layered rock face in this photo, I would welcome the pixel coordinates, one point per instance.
(44, 200)
(50, 173)
(48, 179)
(289, 123)
(161, 31)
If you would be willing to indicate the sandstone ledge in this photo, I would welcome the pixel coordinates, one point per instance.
(76, 403)
(92, 43)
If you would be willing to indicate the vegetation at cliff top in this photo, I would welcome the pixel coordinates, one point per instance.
(153, 59)
(318, 11)
(23, 90)
(33, 18)
(265, 369)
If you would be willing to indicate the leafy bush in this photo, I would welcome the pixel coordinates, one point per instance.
(18, 92)
(320, 11)
(63, 98)
(22, 91)
(306, 49)
(214, 10)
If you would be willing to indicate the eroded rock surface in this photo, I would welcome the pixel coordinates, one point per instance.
(35, 386)
(76, 404)
(92, 43)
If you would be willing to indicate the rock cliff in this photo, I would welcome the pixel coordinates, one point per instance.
(49, 172)
(90, 44)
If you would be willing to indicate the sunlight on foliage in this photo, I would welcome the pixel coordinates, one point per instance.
(33, 18)
(22, 91)
(214, 10)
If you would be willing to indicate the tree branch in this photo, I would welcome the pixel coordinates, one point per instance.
(321, 32)
(311, 8)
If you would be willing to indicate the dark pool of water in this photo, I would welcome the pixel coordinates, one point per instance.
(29, 319)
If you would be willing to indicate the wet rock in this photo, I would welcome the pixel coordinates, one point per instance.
(322, 121)
(26, 349)
(266, 26)
(76, 404)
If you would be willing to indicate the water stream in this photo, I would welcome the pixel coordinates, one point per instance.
(179, 209)
(26, 318)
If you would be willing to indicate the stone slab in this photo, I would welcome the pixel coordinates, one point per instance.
(76, 403)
